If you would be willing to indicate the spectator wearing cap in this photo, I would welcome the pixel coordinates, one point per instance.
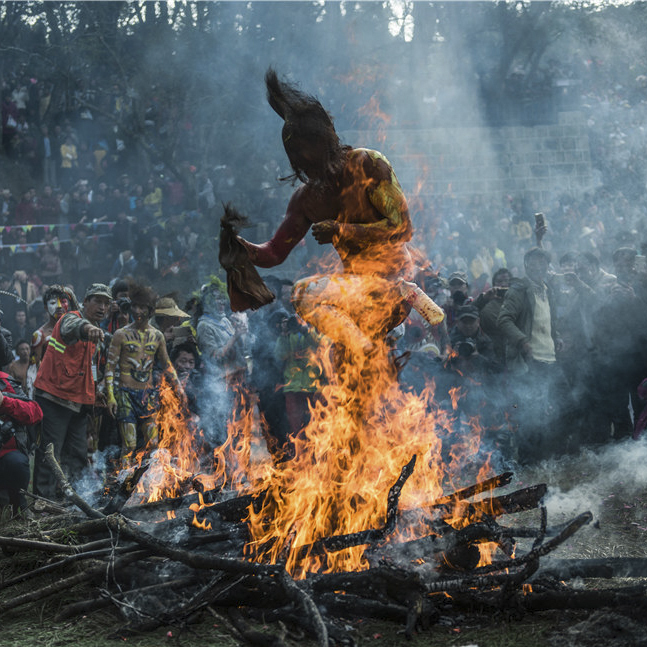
(527, 321)
(467, 338)
(66, 387)
(458, 296)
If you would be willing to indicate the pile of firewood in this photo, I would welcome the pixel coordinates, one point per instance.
(168, 572)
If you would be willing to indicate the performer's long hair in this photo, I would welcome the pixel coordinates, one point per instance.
(307, 124)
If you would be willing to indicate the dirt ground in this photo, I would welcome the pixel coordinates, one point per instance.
(609, 482)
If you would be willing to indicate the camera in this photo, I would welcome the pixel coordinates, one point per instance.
(7, 431)
(124, 305)
(459, 297)
(466, 347)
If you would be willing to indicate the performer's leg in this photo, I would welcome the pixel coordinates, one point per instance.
(149, 432)
(127, 425)
(324, 303)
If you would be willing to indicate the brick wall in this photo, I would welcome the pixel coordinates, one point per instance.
(539, 163)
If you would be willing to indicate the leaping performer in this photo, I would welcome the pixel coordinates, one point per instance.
(350, 197)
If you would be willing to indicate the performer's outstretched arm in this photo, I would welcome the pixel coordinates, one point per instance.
(294, 227)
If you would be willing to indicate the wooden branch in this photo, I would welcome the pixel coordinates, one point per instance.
(543, 549)
(103, 552)
(175, 615)
(94, 604)
(68, 490)
(632, 597)
(353, 606)
(256, 637)
(370, 536)
(49, 547)
(120, 498)
(517, 501)
(491, 483)
(299, 596)
(52, 505)
(602, 567)
(128, 529)
(68, 582)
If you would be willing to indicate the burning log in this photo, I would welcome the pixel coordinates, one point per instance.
(602, 567)
(126, 488)
(341, 542)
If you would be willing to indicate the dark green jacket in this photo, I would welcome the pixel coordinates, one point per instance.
(516, 317)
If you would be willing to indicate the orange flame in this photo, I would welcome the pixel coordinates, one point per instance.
(377, 119)
(363, 429)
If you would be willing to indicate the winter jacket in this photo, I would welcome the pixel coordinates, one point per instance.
(516, 318)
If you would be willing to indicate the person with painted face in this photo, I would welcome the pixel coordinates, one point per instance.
(66, 387)
(218, 337)
(136, 349)
(57, 300)
(221, 348)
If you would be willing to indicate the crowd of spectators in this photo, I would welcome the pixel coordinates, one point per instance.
(546, 344)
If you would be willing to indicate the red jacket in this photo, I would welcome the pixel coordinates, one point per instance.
(24, 412)
(66, 369)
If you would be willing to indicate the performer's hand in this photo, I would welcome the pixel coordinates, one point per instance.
(325, 231)
(112, 407)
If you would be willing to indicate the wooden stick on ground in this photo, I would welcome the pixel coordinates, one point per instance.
(102, 552)
(69, 582)
(68, 490)
(88, 606)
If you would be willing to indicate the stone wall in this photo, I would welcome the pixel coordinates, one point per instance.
(537, 163)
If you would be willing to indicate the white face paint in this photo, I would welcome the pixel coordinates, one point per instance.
(57, 306)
